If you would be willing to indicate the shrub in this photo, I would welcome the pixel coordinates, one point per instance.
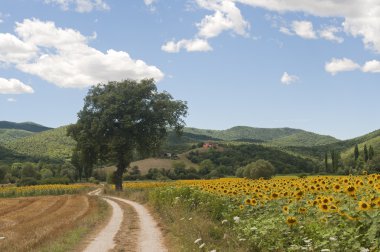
(259, 169)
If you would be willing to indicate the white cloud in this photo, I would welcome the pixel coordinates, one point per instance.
(286, 31)
(372, 66)
(340, 65)
(329, 33)
(149, 2)
(304, 29)
(63, 57)
(80, 5)
(11, 100)
(361, 17)
(194, 45)
(226, 17)
(14, 50)
(14, 86)
(287, 79)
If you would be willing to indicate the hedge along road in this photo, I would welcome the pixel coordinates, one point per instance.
(149, 235)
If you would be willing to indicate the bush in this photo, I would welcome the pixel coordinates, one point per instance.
(259, 169)
(27, 181)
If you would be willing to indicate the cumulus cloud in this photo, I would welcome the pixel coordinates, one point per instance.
(64, 58)
(304, 29)
(80, 5)
(195, 45)
(288, 79)
(226, 17)
(361, 17)
(149, 2)
(340, 65)
(14, 86)
(372, 66)
(329, 33)
(11, 100)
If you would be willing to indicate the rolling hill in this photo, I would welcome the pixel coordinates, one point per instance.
(51, 144)
(26, 126)
(273, 136)
(7, 135)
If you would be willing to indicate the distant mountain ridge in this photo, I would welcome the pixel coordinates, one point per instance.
(273, 136)
(27, 126)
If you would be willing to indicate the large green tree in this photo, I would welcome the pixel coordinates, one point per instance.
(122, 121)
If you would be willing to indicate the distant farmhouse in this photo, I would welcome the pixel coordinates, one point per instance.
(209, 145)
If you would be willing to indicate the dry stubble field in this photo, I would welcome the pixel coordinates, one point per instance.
(31, 222)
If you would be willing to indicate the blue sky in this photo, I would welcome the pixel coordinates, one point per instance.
(236, 62)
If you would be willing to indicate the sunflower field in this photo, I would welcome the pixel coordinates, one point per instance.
(317, 213)
(37, 190)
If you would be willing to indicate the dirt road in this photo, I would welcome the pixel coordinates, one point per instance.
(149, 236)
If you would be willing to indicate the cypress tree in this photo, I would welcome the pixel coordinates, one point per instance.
(371, 152)
(356, 152)
(365, 153)
(326, 162)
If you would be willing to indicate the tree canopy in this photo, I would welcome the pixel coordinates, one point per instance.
(121, 121)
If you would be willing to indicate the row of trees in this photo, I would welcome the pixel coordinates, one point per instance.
(33, 173)
(368, 154)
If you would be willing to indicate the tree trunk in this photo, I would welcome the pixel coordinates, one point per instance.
(118, 175)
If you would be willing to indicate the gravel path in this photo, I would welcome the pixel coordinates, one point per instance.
(149, 238)
(104, 240)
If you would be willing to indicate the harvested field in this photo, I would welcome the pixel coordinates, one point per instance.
(27, 223)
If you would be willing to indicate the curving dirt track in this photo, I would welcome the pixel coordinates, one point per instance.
(139, 231)
(27, 222)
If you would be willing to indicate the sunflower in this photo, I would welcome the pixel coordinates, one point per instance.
(285, 209)
(291, 220)
(324, 207)
(364, 206)
(247, 201)
(302, 210)
(351, 190)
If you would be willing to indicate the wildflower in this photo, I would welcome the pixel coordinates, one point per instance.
(224, 221)
(242, 239)
(325, 250)
(253, 228)
(364, 249)
(197, 240)
(214, 250)
(202, 245)
(236, 219)
(291, 220)
(285, 209)
(351, 190)
(302, 210)
(332, 238)
(364, 206)
(324, 207)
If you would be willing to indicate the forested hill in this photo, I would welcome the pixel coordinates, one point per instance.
(273, 136)
(53, 144)
(27, 126)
